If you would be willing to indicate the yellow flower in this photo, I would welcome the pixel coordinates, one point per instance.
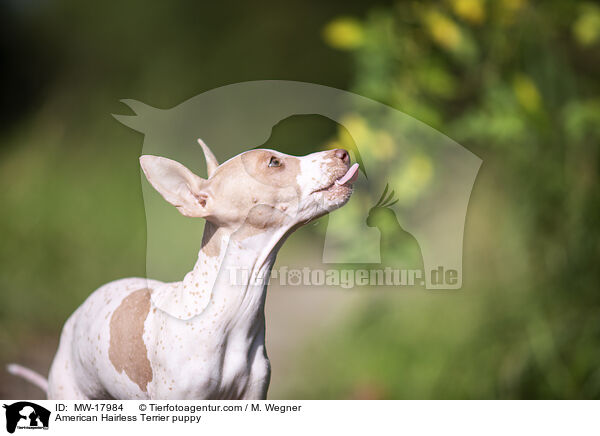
(587, 26)
(442, 29)
(344, 33)
(527, 93)
(469, 10)
(357, 130)
(415, 176)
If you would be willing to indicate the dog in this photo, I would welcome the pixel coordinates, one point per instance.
(202, 337)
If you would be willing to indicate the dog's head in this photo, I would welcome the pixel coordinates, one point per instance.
(258, 189)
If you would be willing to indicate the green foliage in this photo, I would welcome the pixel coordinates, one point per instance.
(63, 229)
(516, 83)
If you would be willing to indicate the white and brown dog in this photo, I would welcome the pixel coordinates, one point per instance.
(202, 337)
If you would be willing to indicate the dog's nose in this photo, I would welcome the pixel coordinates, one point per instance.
(342, 154)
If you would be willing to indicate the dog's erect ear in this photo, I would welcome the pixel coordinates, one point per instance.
(177, 184)
(211, 160)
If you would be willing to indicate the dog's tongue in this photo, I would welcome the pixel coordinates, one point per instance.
(350, 177)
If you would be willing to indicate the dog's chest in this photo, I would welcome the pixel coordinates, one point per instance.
(198, 359)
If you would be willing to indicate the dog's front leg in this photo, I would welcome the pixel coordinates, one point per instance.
(260, 376)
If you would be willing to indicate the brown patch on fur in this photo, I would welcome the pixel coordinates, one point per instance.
(256, 164)
(211, 242)
(127, 350)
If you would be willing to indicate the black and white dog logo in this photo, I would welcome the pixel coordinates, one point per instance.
(26, 415)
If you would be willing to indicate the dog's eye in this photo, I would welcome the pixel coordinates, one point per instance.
(274, 162)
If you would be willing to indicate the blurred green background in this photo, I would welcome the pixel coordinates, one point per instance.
(514, 81)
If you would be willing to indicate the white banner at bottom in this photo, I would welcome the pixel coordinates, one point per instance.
(300, 417)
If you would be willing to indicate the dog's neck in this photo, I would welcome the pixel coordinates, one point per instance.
(230, 277)
(239, 272)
